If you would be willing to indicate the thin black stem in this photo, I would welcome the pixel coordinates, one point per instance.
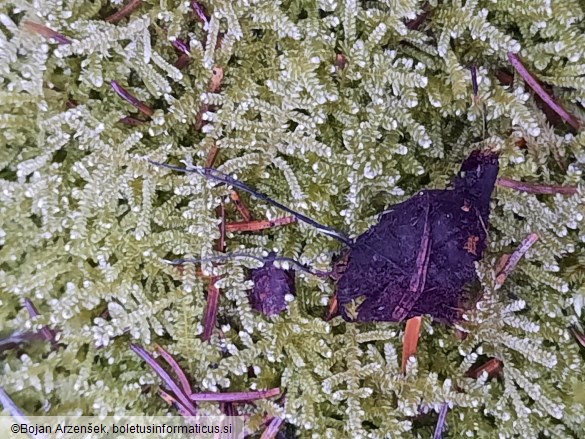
(221, 177)
(245, 256)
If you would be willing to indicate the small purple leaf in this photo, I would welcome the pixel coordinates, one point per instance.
(271, 286)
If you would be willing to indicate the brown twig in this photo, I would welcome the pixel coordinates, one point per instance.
(514, 258)
(236, 396)
(536, 188)
(418, 279)
(45, 32)
(124, 12)
(211, 308)
(220, 244)
(250, 226)
(341, 62)
(181, 396)
(19, 338)
(125, 94)
(539, 90)
(411, 336)
(172, 401)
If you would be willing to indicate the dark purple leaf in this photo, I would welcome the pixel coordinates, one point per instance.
(422, 253)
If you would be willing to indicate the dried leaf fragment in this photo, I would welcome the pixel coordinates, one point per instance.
(422, 253)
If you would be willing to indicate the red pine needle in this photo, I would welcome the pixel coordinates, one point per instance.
(241, 206)
(170, 400)
(181, 47)
(176, 368)
(183, 61)
(212, 304)
(493, 367)
(210, 310)
(124, 12)
(15, 411)
(333, 309)
(441, 421)
(411, 336)
(132, 121)
(250, 226)
(212, 156)
(535, 85)
(200, 12)
(214, 86)
(142, 353)
(45, 32)
(536, 188)
(236, 396)
(515, 257)
(579, 336)
(125, 94)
